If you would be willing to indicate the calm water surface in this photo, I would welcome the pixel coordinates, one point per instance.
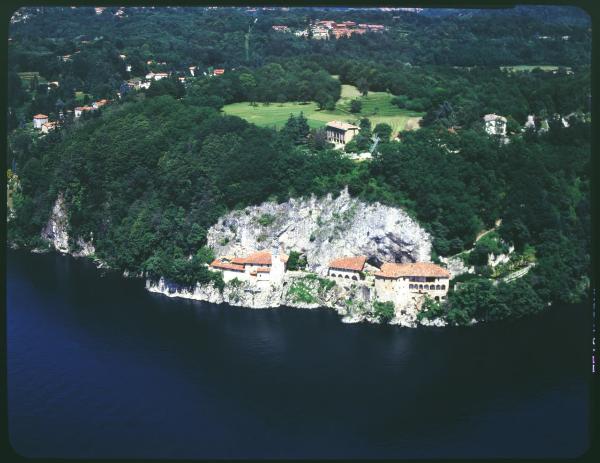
(98, 367)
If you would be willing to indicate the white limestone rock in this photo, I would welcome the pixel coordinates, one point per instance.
(323, 228)
(56, 230)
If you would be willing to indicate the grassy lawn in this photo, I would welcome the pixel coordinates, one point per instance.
(27, 77)
(376, 106)
(80, 96)
(528, 68)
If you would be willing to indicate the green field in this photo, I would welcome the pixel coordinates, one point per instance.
(376, 106)
(80, 96)
(27, 77)
(529, 68)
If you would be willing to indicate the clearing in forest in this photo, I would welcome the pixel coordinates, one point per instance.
(376, 106)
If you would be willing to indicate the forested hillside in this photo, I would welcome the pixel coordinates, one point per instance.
(148, 175)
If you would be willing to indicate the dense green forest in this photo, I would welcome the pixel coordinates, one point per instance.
(149, 174)
(202, 37)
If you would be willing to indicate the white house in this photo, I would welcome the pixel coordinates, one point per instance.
(193, 71)
(530, 124)
(495, 125)
(259, 267)
(348, 268)
(399, 282)
(79, 110)
(39, 120)
(49, 126)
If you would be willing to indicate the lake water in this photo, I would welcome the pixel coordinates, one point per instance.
(98, 367)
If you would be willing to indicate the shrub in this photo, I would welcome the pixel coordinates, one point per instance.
(384, 311)
(266, 219)
(355, 106)
(430, 310)
(296, 261)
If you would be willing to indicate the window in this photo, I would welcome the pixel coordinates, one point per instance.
(420, 286)
(437, 286)
(411, 286)
(354, 278)
(443, 287)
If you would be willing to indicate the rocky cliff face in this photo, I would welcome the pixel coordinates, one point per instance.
(353, 301)
(57, 235)
(324, 229)
(56, 230)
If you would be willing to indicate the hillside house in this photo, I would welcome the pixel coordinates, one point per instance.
(396, 281)
(192, 71)
(319, 33)
(39, 120)
(79, 110)
(280, 28)
(372, 27)
(99, 103)
(49, 126)
(218, 72)
(326, 23)
(495, 125)
(340, 132)
(134, 83)
(348, 268)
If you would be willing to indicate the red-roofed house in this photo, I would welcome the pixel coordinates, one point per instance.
(258, 266)
(81, 109)
(218, 72)
(39, 120)
(349, 268)
(49, 126)
(395, 281)
(340, 132)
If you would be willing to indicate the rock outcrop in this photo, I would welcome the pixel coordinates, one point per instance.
(323, 229)
(353, 301)
(56, 232)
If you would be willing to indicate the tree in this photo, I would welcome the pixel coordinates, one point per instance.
(317, 140)
(383, 131)
(363, 86)
(355, 106)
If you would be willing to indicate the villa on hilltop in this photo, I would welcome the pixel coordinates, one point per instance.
(339, 132)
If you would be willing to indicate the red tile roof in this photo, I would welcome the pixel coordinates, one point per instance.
(418, 269)
(40, 116)
(355, 264)
(257, 258)
(226, 266)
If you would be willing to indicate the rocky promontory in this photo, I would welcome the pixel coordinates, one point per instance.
(323, 229)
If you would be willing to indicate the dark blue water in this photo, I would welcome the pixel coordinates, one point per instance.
(98, 367)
